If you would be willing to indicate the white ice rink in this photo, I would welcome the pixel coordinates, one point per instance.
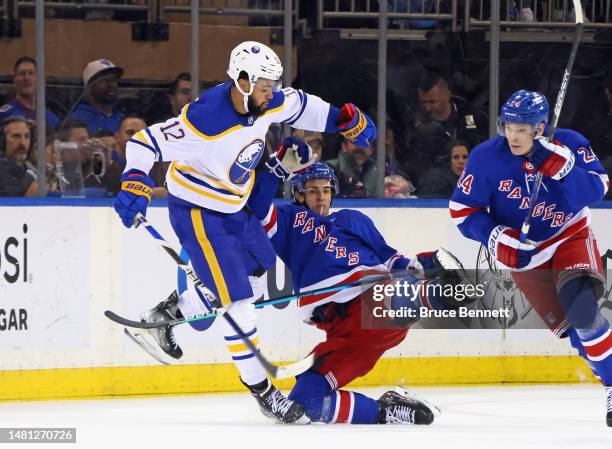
(569, 416)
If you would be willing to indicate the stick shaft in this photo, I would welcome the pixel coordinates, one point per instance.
(556, 114)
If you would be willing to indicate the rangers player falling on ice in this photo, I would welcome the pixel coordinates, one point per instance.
(214, 145)
(559, 268)
(324, 249)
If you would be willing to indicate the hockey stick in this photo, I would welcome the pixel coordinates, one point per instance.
(375, 279)
(278, 372)
(556, 114)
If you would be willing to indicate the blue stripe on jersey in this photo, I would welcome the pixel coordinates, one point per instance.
(304, 101)
(151, 149)
(238, 337)
(243, 357)
(154, 144)
(204, 183)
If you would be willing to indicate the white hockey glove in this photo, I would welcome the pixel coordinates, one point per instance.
(291, 156)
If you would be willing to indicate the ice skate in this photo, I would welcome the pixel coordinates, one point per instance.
(399, 407)
(275, 405)
(159, 342)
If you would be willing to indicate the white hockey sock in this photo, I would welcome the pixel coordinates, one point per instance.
(243, 313)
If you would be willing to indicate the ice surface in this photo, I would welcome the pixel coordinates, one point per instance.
(568, 416)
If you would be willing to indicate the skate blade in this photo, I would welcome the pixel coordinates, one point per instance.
(137, 337)
(409, 394)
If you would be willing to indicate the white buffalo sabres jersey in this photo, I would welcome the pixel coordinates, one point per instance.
(214, 150)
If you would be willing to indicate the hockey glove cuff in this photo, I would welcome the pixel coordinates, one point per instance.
(354, 125)
(135, 195)
(553, 160)
(505, 246)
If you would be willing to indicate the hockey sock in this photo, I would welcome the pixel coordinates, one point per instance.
(597, 343)
(323, 404)
(243, 313)
(192, 302)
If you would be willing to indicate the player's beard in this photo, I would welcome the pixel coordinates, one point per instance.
(255, 109)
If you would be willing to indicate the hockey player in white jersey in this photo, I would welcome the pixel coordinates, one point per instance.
(214, 145)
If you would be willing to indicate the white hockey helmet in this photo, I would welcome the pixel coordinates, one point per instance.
(257, 61)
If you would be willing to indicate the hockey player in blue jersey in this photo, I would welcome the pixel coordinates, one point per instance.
(325, 249)
(214, 145)
(559, 267)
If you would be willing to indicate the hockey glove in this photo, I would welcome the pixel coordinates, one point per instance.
(553, 160)
(424, 264)
(134, 197)
(291, 156)
(505, 246)
(356, 126)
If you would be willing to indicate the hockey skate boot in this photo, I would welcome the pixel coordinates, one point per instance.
(159, 342)
(609, 406)
(276, 406)
(398, 407)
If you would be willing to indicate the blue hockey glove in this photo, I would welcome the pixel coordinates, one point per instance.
(553, 160)
(425, 263)
(135, 195)
(356, 126)
(291, 156)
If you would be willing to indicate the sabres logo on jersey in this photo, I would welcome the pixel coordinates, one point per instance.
(247, 160)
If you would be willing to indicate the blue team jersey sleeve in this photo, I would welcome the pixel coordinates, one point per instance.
(262, 195)
(470, 200)
(587, 182)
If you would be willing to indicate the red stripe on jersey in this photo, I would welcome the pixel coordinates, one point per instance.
(573, 229)
(345, 406)
(600, 348)
(272, 221)
(352, 278)
(463, 212)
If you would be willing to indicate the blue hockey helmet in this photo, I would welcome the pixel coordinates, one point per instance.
(318, 170)
(523, 106)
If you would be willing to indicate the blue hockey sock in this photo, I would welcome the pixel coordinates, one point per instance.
(597, 343)
(322, 404)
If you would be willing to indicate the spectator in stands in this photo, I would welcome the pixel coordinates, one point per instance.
(440, 182)
(315, 140)
(16, 178)
(92, 167)
(440, 118)
(312, 138)
(24, 103)
(356, 171)
(177, 96)
(97, 110)
(129, 126)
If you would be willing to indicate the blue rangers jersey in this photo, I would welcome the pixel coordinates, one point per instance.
(322, 251)
(215, 149)
(495, 188)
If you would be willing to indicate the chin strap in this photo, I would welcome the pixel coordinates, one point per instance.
(245, 95)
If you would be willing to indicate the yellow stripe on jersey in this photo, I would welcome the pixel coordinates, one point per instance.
(209, 254)
(200, 133)
(187, 168)
(240, 347)
(276, 109)
(141, 137)
(211, 195)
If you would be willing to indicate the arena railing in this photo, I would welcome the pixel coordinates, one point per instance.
(398, 11)
(537, 14)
